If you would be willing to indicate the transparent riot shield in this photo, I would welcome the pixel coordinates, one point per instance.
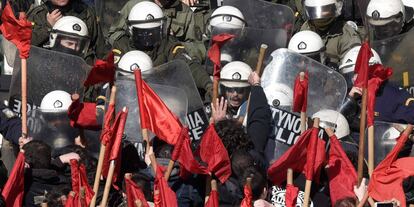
(397, 52)
(173, 97)
(245, 46)
(264, 15)
(47, 71)
(9, 53)
(177, 74)
(51, 127)
(326, 91)
(385, 136)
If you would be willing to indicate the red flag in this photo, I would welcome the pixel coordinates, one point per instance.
(166, 196)
(14, 188)
(17, 31)
(183, 154)
(291, 195)
(134, 192)
(102, 72)
(386, 180)
(341, 172)
(362, 66)
(297, 158)
(158, 118)
(378, 74)
(213, 199)
(83, 115)
(80, 179)
(107, 128)
(72, 200)
(248, 196)
(113, 147)
(213, 152)
(300, 93)
(214, 51)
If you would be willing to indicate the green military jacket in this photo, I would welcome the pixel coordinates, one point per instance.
(42, 28)
(180, 22)
(167, 50)
(339, 39)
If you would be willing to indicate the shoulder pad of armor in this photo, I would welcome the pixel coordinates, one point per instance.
(352, 24)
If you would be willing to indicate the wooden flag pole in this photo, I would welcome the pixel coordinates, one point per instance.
(169, 170)
(138, 203)
(108, 183)
(303, 119)
(215, 90)
(290, 176)
(362, 124)
(371, 150)
(308, 184)
(258, 71)
(24, 97)
(101, 157)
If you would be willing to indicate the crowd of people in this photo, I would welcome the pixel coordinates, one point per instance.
(199, 48)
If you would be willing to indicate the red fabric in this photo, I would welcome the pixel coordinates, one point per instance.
(166, 196)
(17, 31)
(14, 188)
(134, 192)
(106, 133)
(154, 114)
(80, 179)
(72, 201)
(300, 93)
(213, 152)
(113, 148)
(213, 199)
(291, 195)
(378, 74)
(83, 115)
(297, 158)
(342, 174)
(102, 72)
(214, 52)
(248, 197)
(386, 180)
(183, 154)
(362, 65)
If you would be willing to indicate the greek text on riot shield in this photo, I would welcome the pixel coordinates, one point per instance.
(47, 71)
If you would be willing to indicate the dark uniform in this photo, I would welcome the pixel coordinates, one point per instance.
(42, 28)
(166, 50)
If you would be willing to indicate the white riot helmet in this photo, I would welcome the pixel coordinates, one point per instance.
(235, 74)
(227, 17)
(322, 9)
(146, 24)
(386, 17)
(70, 35)
(308, 43)
(348, 62)
(279, 95)
(335, 120)
(133, 60)
(409, 10)
(56, 101)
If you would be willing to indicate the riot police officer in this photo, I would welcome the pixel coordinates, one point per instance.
(133, 60)
(310, 44)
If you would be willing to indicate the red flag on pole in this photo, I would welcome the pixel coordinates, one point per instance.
(83, 115)
(248, 196)
(297, 158)
(159, 119)
(291, 195)
(72, 200)
(362, 66)
(378, 74)
(213, 199)
(214, 51)
(107, 125)
(113, 147)
(14, 188)
(102, 72)
(386, 180)
(213, 152)
(80, 179)
(342, 174)
(300, 93)
(134, 192)
(166, 196)
(17, 31)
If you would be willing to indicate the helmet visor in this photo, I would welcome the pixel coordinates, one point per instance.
(321, 12)
(144, 38)
(71, 44)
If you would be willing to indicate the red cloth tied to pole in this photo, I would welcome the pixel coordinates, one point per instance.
(166, 196)
(362, 66)
(134, 192)
(214, 51)
(80, 179)
(300, 93)
(248, 197)
(102, 72)
(213, 199)
(291, 195)
(83, 115)
(107, 130)
(13, 190)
